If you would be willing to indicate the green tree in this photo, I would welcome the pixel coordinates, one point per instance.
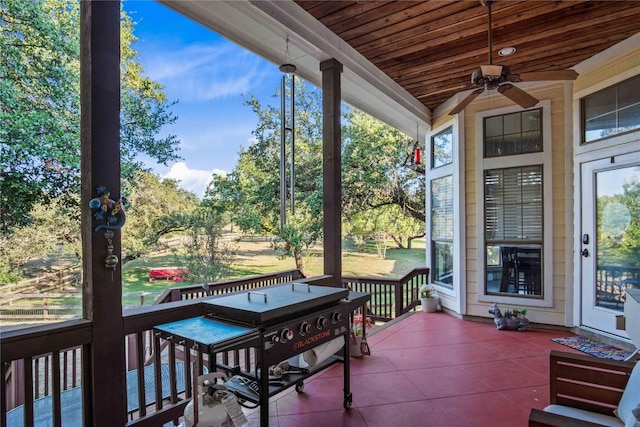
(206, 254)
(54, 227)
(252, 190)
(40, 104)
(156, 208)
(378, 169)
(382, 223)
(377, 175)
(619, 227)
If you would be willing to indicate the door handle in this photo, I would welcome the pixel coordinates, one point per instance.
(585, 252)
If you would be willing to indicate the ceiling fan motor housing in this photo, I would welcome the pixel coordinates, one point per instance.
(489, 81)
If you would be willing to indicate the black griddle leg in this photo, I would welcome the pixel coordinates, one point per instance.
(348, 398)
(264, 387)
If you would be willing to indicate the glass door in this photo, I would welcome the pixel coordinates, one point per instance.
(610, 239)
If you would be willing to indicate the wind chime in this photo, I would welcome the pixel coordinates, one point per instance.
(287, 136)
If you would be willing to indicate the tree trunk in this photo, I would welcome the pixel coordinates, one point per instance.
(299, 261)
(398, 241)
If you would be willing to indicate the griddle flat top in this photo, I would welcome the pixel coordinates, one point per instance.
(271, 303)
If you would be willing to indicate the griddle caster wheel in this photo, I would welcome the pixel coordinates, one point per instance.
(348, 400)
(300, 386)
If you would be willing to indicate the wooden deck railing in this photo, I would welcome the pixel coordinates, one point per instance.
(390, 298)
(160, 373)
(181, 293)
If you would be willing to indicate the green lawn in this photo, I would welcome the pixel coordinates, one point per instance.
(258, 257)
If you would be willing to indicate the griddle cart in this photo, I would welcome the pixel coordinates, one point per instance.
(280, 322)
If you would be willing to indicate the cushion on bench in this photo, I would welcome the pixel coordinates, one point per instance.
(630, 398)
(580, 414)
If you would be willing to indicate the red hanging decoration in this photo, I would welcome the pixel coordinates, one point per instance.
(416, 156)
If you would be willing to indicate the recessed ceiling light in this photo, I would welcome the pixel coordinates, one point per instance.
(506, 51)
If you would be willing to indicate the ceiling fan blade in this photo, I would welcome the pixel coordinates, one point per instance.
(461, 106)
(548, 75)
(517, 95)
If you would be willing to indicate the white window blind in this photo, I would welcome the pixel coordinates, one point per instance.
(442, 208)
(513, 204)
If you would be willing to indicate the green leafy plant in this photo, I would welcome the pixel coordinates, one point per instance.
(427, 292)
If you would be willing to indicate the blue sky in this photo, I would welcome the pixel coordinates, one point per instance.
(210, 77)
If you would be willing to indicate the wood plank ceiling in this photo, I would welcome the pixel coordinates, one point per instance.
(431, 47)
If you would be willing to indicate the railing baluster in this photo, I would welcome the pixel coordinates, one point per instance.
(172, 373)
(140, 377)
(187, 371)
(157, 370)
(65, 371)
(36, 374)
(28, 391)
(55, 380)
(46, 375)
(3, 392)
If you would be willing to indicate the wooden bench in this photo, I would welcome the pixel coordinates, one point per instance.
(584, 383)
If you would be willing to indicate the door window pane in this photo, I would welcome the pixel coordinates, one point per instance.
(618, 235)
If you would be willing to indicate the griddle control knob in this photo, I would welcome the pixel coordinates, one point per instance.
(321, 322)
(305, 328)
(336, 317)
(286, 335)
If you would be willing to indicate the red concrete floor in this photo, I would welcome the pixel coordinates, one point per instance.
(429, 369)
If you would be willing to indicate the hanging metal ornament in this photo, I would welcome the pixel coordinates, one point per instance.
(112, 213)
(111, 260)
(287, 133)
(287, 67)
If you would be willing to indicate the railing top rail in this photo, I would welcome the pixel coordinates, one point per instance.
(381, 280)
(42, 339)
(166, 295)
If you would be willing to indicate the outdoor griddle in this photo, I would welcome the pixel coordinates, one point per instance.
(280, 321)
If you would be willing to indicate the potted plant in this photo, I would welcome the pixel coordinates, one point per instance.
(429, 298)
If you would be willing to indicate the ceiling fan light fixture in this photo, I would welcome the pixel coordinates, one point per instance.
(491, 71)
(506, 51)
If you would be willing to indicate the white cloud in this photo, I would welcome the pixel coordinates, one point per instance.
(194, 180)
(203, 72)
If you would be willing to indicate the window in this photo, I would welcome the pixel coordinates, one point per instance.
(513, 211)
(442, 230)
(611, 111)
(514, 133)
(442, 148)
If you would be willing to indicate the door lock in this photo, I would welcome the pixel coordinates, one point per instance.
(585, 252)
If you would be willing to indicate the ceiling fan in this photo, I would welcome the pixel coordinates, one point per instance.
(499, 77)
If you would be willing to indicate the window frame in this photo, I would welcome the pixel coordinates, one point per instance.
(503, 134)
(452, 298)
(543, 158)
(521, 244)
(582, 121)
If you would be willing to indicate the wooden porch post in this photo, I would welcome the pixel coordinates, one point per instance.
(103, 374)
(331, 169)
